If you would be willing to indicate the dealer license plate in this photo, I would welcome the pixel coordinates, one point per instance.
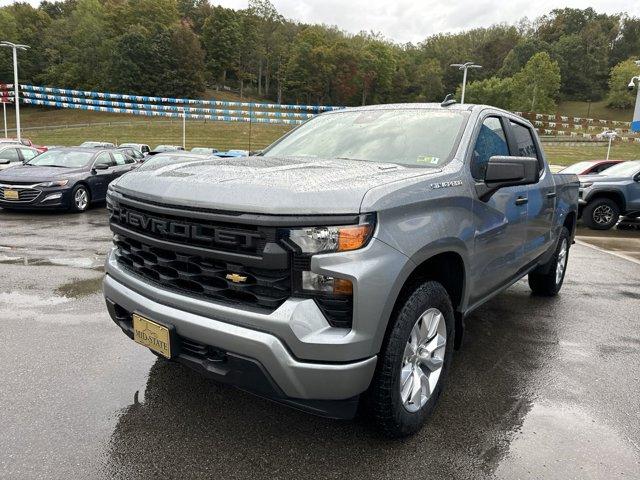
(152, 335)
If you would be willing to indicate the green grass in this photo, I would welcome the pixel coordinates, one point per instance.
(559, 154)
(220, 135)
(598, 110)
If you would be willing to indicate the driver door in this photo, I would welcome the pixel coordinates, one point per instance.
(501, 220)
(100, 179)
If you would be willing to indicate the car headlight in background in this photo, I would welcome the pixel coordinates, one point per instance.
(56, 183)
(312, 240)
(585, 184)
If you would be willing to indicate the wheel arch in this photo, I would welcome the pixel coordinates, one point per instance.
(613, 195)
(449, 268)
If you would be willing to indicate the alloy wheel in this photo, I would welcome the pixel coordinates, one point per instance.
(423, 359)
(603, 214)
(561, 262)
(81, 199)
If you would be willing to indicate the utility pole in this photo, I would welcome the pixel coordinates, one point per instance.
(16, 86)
(184, 128)
(464, 67)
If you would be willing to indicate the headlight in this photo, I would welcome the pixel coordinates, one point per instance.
(313, 240)
(585, 184)
(57, 183)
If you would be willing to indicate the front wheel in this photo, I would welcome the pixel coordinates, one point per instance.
(601, 214)
(414, 363)
(547, 280)
(80, 198)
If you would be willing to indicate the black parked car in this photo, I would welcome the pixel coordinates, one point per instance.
(70, 178)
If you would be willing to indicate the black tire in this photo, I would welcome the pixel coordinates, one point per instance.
(601, 214)
(383, 398)
(544, 280)
(75, 207)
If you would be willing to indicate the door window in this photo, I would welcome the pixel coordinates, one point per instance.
(119, 158)
(105, 158)
(524, 138)
(10, 154)
(491, 141)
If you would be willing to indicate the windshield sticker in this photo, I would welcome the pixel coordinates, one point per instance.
(428, 159)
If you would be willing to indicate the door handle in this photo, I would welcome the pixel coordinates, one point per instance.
(551, 194)
(522, 200)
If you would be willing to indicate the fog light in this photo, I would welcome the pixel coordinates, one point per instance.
(53, 196)
(324, 283)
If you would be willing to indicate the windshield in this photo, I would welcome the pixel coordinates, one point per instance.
(61, 158)
(411, 136)
(624, 169)
(576, 167)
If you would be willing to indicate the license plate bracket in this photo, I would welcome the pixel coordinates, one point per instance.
(154, 335)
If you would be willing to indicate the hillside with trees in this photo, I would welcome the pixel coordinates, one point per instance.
(184, 47)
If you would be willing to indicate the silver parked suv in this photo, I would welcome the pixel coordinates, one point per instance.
(335, 269)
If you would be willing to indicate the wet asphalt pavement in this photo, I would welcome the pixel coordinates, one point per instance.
(542, 388)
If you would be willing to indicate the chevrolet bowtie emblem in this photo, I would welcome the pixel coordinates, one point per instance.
(235, 278)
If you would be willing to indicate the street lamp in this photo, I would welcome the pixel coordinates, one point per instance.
(15, 47)
(464, 67)
(635, 123)
(610, 134)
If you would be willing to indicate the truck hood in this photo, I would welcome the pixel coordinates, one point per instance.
(263, 184)
(35, 174)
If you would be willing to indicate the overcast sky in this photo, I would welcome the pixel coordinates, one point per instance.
(414, 20)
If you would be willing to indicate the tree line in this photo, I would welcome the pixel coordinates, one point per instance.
(184, 47)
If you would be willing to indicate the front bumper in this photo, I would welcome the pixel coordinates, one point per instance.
(249, 359)
(36, 197)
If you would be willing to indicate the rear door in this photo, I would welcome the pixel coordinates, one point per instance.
(541, 197)
(123, 164)
(500, 221)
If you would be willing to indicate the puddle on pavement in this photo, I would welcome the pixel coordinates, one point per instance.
(80, 288)
(556, 439)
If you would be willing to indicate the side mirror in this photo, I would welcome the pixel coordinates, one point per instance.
(101, 166)
(504, 171)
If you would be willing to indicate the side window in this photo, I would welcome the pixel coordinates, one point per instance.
(145, 149)
(526, 146)
(119, 158)
(491, 141)
(27, 153)
(105, 158)
(10, 154)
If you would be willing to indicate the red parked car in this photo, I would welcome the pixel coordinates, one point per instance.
(589, 166)
(24, 141)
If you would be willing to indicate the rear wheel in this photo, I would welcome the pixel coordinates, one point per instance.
(601, 214)
(548, 279)
(414, 363)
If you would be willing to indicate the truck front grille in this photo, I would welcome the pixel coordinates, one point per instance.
(203, 276)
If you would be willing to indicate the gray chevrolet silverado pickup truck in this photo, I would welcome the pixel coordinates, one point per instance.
(336, 269)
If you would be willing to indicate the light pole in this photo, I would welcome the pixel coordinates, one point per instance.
(635, 123)
(464, 67)
(15, 47)
(610, 134)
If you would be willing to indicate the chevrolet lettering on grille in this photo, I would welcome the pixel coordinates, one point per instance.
(186, 231)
